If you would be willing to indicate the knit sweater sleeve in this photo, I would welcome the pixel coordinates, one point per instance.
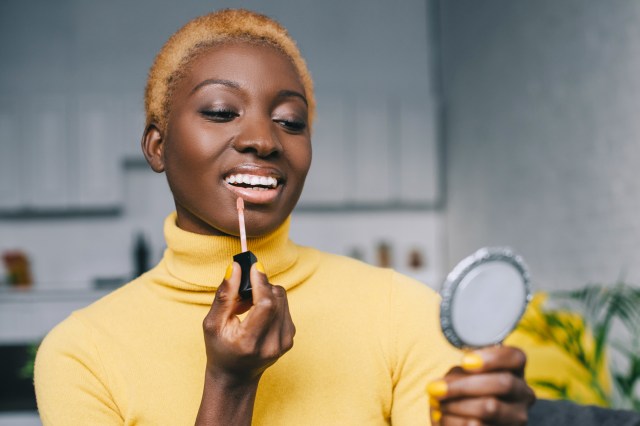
(70, 381)
(419, 351)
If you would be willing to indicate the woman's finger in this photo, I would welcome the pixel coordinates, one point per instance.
(501, 384)
(226, 298)
(496, 358)
(272, 345)
(487, 409)
(264, 307)
(288, 329)
(441, 419)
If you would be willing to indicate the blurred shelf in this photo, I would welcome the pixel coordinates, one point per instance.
(360, 207)
(32, 295)
(62, 213)
(28, 315)
(136, 163)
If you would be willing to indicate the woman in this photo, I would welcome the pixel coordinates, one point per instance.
(230, 106)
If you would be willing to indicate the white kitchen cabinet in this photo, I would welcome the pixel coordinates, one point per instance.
(329, 178)
(96, 150)
(373, 153)
(60, 154)
(45, 138)
(132, 120)
(11, 176)
(417, 177)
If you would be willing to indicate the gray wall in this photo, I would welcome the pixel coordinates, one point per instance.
(105, 46)
(543, 146)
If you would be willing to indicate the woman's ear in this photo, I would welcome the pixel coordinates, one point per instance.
(153, 147)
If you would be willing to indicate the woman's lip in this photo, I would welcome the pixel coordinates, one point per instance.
(253, 196)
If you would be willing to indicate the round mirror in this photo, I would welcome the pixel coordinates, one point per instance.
(484, 297)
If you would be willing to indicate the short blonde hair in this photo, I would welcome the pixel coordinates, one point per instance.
(223, 26)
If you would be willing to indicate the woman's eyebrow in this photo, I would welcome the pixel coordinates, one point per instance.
(292, 93)
(235, 85)
(228, 83)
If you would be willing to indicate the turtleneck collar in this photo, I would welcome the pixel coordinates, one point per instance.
(197, 263)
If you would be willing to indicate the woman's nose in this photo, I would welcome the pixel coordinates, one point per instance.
(259, 137)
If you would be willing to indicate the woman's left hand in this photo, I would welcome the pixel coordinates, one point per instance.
(487, 389)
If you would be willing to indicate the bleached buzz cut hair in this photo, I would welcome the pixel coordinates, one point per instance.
(220, 27)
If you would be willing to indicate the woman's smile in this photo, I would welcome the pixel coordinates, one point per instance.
(254, 183)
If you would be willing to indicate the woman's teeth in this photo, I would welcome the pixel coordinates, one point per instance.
(260, 183)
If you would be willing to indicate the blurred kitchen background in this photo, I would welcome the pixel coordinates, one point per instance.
(442, 126)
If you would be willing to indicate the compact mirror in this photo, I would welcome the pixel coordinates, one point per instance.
(484, 297)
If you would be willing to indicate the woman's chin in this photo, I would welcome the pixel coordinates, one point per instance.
(257, 225)
(262, 228)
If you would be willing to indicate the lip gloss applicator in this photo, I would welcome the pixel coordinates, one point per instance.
(246, 258)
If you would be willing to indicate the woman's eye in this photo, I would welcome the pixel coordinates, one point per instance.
(219, 115)
(292, 125)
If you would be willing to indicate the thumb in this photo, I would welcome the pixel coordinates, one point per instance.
(226, 300)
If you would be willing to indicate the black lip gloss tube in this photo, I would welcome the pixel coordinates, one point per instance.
(245, 259)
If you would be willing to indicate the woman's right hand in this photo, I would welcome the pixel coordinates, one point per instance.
(238, 352)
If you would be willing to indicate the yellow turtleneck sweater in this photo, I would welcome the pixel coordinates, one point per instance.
(367, 342)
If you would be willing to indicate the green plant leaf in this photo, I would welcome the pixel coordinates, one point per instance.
(601, 307)
(561, 390)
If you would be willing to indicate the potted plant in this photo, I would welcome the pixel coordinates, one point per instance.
(590, 341)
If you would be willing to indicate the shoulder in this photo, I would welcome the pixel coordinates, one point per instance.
(359, 275)
(76, 334)
(114, 309)
(404, 314)
(71, 382)
(77, 326)
(65, 337)
(395, 298)
(67, 350)
(408, 292)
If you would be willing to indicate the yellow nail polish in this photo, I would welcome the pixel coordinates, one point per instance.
(437, 388)
(228, 272)
(436, 415)
(472, 361)
(434, 403)
(259, 267)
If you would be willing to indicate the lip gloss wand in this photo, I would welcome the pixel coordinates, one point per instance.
(246, 258)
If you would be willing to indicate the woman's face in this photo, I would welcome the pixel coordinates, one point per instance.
(237, 127)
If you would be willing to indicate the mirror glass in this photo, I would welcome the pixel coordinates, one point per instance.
(484, 297)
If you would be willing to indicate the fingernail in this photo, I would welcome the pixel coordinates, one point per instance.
(472, 361)
(437, 388)
(228, 272)
(436, 415)
(259, 267)
(435, 403)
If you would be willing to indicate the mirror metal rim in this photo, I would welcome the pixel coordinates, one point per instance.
(450, 285)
